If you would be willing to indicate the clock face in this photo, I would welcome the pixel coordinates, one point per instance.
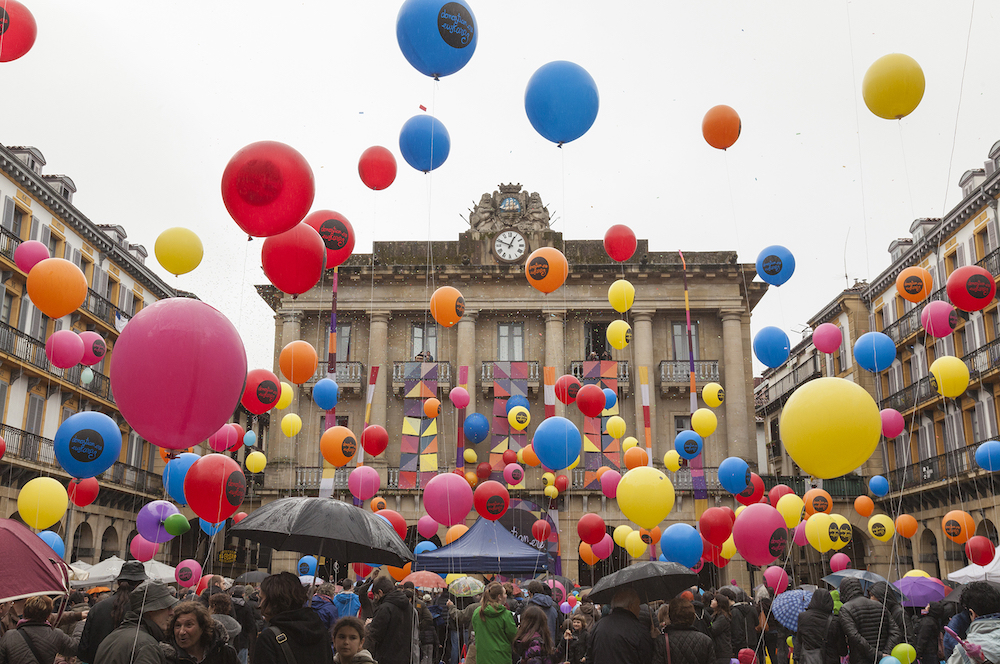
(509, 246)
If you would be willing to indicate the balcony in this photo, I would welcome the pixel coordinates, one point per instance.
(101, 309)
(991, 262)
(486, 376)
(910, 396)
(983, 359)
(905, 326)
(939, 468)
(308, 478)
(350, 376)
(133, 478)
(400, 372)
(778, 393)
(8, 243)
(28, 446)
(676, 374)
(624, 377)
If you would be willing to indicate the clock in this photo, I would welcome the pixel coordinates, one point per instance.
(509, 246)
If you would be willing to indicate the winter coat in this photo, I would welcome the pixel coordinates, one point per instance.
(494, 634)
(425, 621)
(743, 628)
(928, 634)
(136, 641)
(48, 641)
(390, 633)
(325, 609)
(959, 623)
(528, 651)
(687, 646)
(870, 630)
(819, 629)
(218, 652)
(248, 624)
(307, 637)
(721, 632)
(619, 638)
(545, 603)
(362, 657)
(98, 626)
(985, 633)
(576, 646)
(348, 604)
(885, 596)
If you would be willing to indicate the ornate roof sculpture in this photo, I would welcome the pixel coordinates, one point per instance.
(509, 208)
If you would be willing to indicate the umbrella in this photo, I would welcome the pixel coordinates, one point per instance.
(252, 577)
(867, 579)
(107, 571)
(466, 586)
(920, 591)
(955, 595)
(327, 527)
(97, 590)
(652, 579)
(787, 606)
(426, 580)
(30, 566)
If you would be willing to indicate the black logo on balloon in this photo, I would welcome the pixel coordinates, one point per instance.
(517, 475)
(86, 445)
(98, 349)
(538, 268)
(932, 379)
(778, 541)
(184, 574)
(4, 20)
(628, 337)
(236, 487)
(913, 285)
(691, 446)
(303, 569)
(845, 533)
(820, 504)
(494, 505)
(259, 182)
(455, 25)
(722, 395)
(349, 446)
(771, 265)
(267, 392)
(979, 286)
(952, 319)
(334, 233)
(748, 492)
(460, 306)
(379, 504)
(521, 417)
(952, 528)
(834, 532)
(878, 529)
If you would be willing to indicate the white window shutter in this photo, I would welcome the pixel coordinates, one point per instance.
(8, 212)
(991, 235)
(991, 415)
(960, 256)
(46, 235)
(33, 235)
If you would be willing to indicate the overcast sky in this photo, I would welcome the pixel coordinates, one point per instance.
(143, 105)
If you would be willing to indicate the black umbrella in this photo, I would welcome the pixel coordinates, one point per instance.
(653, 580)
(326, 527)
(252, 577)
(955, 595)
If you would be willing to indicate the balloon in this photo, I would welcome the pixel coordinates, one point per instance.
(800, 534)
(672, 461)
(619, 334)
(645, 495)
(818, 436)
(141, 549)
(291, 425)
(988, 456)
(621, 295)
(958, 526)
(609, 483)
(610, 398)
(249, 439)
(615, 426)
(470, 455)
(396, 520)
(905, 653)
(298, 361)
(790, 507)
(424, 547)
(459, 397)
(587, 555)
(561, 101)
(881, 527)
(819, 527)
(839, 562)
(337, 235)
(267, 188)
(437, 40)
(636, 457)
(917, 572)
(775, 265)
(188, 573)
(754, 491)
(377, 504)
(476, 427)
(529, 456)
(713, 394)
(94, 348)
(634, 544)
(240, 433)
(223, 439)
(827, 338)
(713, 554)
(513, 474)
(509, 457)
(256, 462)
(627, 444)
(704, 422)
(178, 371)
(29, 254)
(178, 250)
(215, 487)
(447, 306)
(893, 86)
(721, 127)
(590, 399)
(455, 532)
(338, 446)
(518, 418)
(620, 244)
(760, 534)
(874, 351)
(239, 516)
(864, 506)
(424, 142)
(688, 444)
(377, 168)
(777, 492)
(591, 528)
(939, 318)
(980, 550)
(177, 524)
(54, 542)
(715, 525)
(561, 483)
(681, 544)
(541, 530)
(546, 269)
(889, 660)
(150, 522)
(734, 473)
(175, 473)
(426, 526)
(491, 499)
(914, 284)
(515, 401)
(64, 349)
(83, 492)
(19, 34)
(604, 548)
(567, 388)
(326, 393)
(557, 442)
(771, 347)
(374, 439)
(57, 287)
(432, 407)
(651, 536)
(844, 531)
(261, 392)
(776, 578)
(294, 260)
(307, 566)
(447, 499)
(949, 376)
(970, 288)
(87, 443)
(817, 500)
(878, 485)
(892, 422)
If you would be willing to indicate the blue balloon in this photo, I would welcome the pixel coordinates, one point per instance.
(325, 393)
(424, 547)
(210, 528)
(174, 474)
(249, 439)
(561, 101)
(775, 264)
(874, 351)
(610, 398)
(734, 475)
(87, 444)
(517, 400)
(557, 442)
(771, 347)
(889, 659)
(681, 544)
(476, 427)
(54, 541)
(307, 565)
(438, 38)
(878, 485)
(424, 142)
(688, 444)
(988, 456)
(663, 558)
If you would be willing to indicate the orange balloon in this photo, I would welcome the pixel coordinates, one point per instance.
(587, 554)
(958, 526)
(817, 500)
(57, 287)
(167, 455)
(432, 407)
(338, 446)
(455, 532)
(447, 306)
(530, 458)
(472, 478)
(864, 506)
(721, 127)
(602, 470)
(546, 269)
(635, 457)
(298, 361)
(400, 573)
(914, 284)
(650, 536)
(906, 525)
(378, 503)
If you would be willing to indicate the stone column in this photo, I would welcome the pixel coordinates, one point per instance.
(378, 336)
(283, 446)
(740, 441)
(555, 356)
(642, 341)
(466, 355)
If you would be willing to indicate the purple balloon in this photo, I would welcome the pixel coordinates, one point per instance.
(565, 607)
(363, 482)
(149, 521)
(30, 253)
(427, 526)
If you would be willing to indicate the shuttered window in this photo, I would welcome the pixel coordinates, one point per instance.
(36, 406)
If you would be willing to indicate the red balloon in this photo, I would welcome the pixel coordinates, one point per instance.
(260, 394)
(374, 439)
(239, 516)
(397, 521)
(775, 494)
(567, 388)
(268, 188)
(561, 483)
(240, 432)
(3, 447)
(483, 470)
(753, 493)
(361, 570)
(620, 242)
(223, 439)
(509, 457)
(980, 550)
(541, 530)
(18, 29)
(83, 492)
(713, 554)
(591, 528)
(729, 512)
(491, 500)
(337, 233)
(294, 260)
(971, 288)
(377, 167)
(715, 526)
(215, 487)
(591, 400)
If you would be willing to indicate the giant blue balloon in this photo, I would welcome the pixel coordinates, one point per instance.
(688, 444)
(87, 444)
(174, 474)
(424, 142)
(734, 475)
(476, 427)
(775, 264)
(325, 393)
(771, 347)
(878, 485)
(517, 400)
(438, 38)
(988, 456)
(557, 442)
(681, 544)
(874, 351)
(54, 541)
(307, 566)
(561, 101)
(211, 529)
(424, 547)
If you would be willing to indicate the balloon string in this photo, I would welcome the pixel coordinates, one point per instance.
(857, 134)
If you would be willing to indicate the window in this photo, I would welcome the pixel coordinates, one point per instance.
(126, 300)
(33, 421)
(840, 355)
(423, 337)
(680, 340)
(596, 340)
(510, 342)
(343, 343)
(13, 216)
(3, 397)
(133, 455)
(6, 308)
(681, 423)
(66, 413)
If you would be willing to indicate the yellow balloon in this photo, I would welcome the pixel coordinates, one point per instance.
(520, 456)
(818, 531)
(740, 509)
(830, 426)
(893, 86)
(728, 549)
(790, 507)
(549, 479)
(918, 572)
(629, 443)
(672, 460)
(551, 491)
(256, 462)
(949, 376)
(620, 534)
(713, 395)
(881, 527)
(452, 578)
(285, 400)
(519, 417)
(621, 295)
(704, 422)
(634, 544)
(615, 427)
(844, 531)
(470, 455)
(645, 496)
(574, 464)
(619, 334)
(42, 502)
(905, 653)
(178, 250)
(291, 424)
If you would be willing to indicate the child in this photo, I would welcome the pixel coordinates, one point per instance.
(576, 640)
(348, 639)
(533, 641)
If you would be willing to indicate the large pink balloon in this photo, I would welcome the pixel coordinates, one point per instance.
(839, 562)
(224, 438)
(363, 482)
(448, 499)
(29, 254)
(427, 526)
(177, 372)
(94, 348)
(800, 534)
(939, 318)
(892, 422)
(459, 397)
(142, 549)
(760, 534)
(604, 548)
(827, 338)
(609, 483)
(64, 349)
(776, 578)
(188, 573)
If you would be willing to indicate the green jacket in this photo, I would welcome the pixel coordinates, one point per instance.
(494, 634)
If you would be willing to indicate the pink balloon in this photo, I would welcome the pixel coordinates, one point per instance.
(839, 561)
(64, 349)
(223, 439)
(142, 549)
(604, 548)
(827, 338)
(459, 397)
(30, 253)
(609, 483)
(800, 534)
(448, 498)
(939, 318)
(178, 372)
(94, 348)
(427, 526)
(892, 422)
(760, 534)
(776, 578)
(513, 473)
(364, 482)
(188, 573)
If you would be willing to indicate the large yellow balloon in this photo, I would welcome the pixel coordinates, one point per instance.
(256, 462)
(645, 496)
(713, 395)
(615, 427)
(918, 572)
(704, 422)
(619, 334)
(621, 295)
(518, 418)
(893, 86)
(285, 400)
(42, 502)
(790, 507)
(728, 549)
(844, 531)
(178, 250)
(949, 376)
(291, 424)
(634, 544)
(881, 527)
(818, 531)
(672, 460)
(620, 534)
(830, 426)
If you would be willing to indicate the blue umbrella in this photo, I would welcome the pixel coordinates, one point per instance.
(867, 579)
(787, 606)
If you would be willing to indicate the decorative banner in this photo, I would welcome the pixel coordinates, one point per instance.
(549, 395)
(372, 378)
(647, 427)
(326, 483)
(599, 448)
(419, 445)
(699, 486)
(463, 382)
(510, 379)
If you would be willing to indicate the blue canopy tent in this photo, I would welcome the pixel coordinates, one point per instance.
(486, 547)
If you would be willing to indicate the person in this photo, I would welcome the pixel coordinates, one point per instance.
(76, 603)
(928, 633)
(820, 630)
(34, 639)
(292, 624)
(220, 607)
(390, 633)
(576, 640)
(322, 602)
(493, 626)
(703, 612)
(886, 596)
(619, 637)
(870, 630)
(428, 638)
(137, 639)
(982, 601)
(108, 613)
(246, 616)
(541, 599)
(685, 643)
(593, 357)
(720, 629)
(532, 640)
(743, 619)
(195, 636)
(606, 355)
(347, 602)
(349, 642)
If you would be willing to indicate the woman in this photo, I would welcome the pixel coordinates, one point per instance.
(195, 637)
(349, 641)
(282, 603)
(533, 640)
(820, 637)
(928, 633)
(493, 626)
(720, 629)
(34, 634)
(576, 639)
(687, 645)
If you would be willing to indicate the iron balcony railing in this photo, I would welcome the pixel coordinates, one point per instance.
(309, 478)
(991, 262)
(8, 243)
(101, 308)
(905, 326)
(679, 371)
(399, 372)
(486, 377)
(934, 469)
(348, 373)
(576, 368)
(983, 359)
(910, 396)
(781, 389)
(133, 478)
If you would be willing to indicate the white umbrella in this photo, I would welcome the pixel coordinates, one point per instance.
(79, 564)
(105, 572)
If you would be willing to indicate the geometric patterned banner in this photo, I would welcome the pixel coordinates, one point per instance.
(510, 379)
(599, 448)
(419, 444)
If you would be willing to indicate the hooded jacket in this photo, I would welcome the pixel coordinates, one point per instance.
(48, 641)
(985, 633)
(819, 629)
(136, 641)
(870, 630)
(390, 633)
(722, 638)
(928, 631)
(326, 609)
(687, 646)
(307, 637)
(887, 597)
(619, 638)
(743, 630)
(347, 603)
(551, 613)
(494, 629)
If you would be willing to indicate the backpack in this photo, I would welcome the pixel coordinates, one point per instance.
(440, 614)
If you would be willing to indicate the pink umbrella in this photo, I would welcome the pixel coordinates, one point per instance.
(30, 566)
(426, 580)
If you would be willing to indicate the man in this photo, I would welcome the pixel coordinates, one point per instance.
(138, 639)
(870, 630)
(982, 601)
(347, 602)
(107, 614)
(743, 628)
(619, 637)
(247, 639)
(390, 633)
(540, 598)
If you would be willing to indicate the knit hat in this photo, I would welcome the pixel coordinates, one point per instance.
(151, 596)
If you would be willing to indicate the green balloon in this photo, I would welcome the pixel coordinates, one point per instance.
(176, 524)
